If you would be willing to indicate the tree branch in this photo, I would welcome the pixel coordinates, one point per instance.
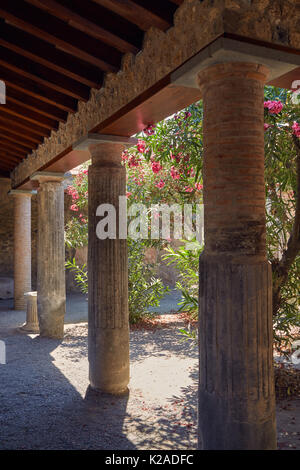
(281, 267)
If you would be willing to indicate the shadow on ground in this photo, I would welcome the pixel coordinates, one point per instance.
(41, 409)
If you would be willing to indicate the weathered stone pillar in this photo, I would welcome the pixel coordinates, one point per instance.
(32, 321)
(22, 246)
(236, 394)
(51, 297)
(108, 325)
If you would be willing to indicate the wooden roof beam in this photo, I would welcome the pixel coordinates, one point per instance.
(43, 75)
(46, 54)
(18, 123)
(44, 26)
(34, 104)
(28, 115)
(13, 144)
(15, 132)
(90, 18)
(143, 13)
(11, 150)
(41, 92)
(12, 138)
(5, 157)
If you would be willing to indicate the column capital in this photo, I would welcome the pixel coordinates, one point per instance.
(101, 139)
(221, 71)
(47, 176)
(105, 150)
(21, 192)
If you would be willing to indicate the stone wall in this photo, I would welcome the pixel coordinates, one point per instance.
(196, 24)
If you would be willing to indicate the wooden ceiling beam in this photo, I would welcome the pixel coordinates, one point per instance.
(43, 75)
(7, 158)
(34, 104)
(142, 13)
(11, 150)
(46, 54)
(29, 87)
(95, 21)
(4, 173)
(6, 168)
(44, 26)
(13, 144)
(18, 123)
(14, 139)
(16, 132)
(28, 115)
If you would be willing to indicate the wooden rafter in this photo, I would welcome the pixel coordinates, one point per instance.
(48, 55)
(52, 52)
(95, 21)
(57, 32)
(143, 13)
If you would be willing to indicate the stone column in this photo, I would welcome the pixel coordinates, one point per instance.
(22, 246)
(32, 321)
(108, 325)
(236, 387)
(51, 290)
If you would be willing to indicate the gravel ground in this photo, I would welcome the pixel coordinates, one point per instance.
(43, 403)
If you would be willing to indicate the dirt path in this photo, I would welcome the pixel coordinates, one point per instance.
(44, 384)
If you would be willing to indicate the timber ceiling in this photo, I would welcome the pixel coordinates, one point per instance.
(52, 52)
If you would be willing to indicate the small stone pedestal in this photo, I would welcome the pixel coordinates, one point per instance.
(32, 322)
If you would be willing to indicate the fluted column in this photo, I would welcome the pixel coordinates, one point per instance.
(22, 246)
(236, 386)
(108, 322)
(51, 291)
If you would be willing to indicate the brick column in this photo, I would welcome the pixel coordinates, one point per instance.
(108, 324)
(22, 246)
(236, 388)
(51, 290)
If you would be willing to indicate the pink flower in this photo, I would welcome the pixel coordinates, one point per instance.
(156, 167)
(188, 189)
(74, 207)
(187, 115)
(141, 146)
(137, 181)
(133, 161)
(128, 194)
(266, 126)
(274, 107)
(296, 129)
(174, 173)
(161, 184)
(124, 155)
(176, 157)
(198, 186)
(83, 220)
(149, 130)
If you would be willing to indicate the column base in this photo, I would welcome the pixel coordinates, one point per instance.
(94, 394)
(30, 328)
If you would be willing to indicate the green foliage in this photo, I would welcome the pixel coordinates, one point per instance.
(81, 275)
(186, 260)
(281, 195)
(145, 289)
